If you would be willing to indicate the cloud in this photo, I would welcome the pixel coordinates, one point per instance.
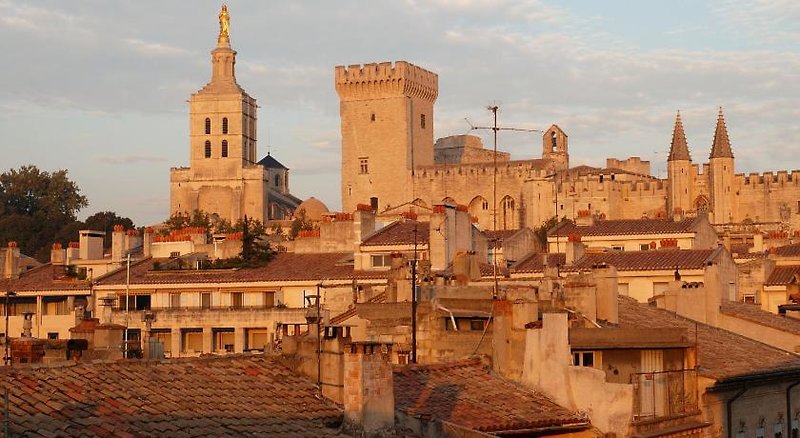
(153, 49)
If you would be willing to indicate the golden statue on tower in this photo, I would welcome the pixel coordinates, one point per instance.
(224, 23)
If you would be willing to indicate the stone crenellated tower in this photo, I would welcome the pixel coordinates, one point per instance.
(555, 147)
(679, 172)
(721, 175)
(387, 130)
(223, 176)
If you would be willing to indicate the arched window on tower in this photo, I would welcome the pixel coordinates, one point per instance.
(554, 141)
(224, 148)
(208, 126)
(224, 125)
(277, 180)
(208, 149)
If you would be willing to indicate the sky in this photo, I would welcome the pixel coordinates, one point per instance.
(100, 88)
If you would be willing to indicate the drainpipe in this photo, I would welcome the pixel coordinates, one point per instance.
(789, 408)
(729, 409)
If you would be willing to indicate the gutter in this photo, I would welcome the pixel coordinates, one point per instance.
(737, 381)
(729, 410)
(789, 407)
(572, 427)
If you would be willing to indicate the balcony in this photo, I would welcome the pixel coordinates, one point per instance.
(663, 395)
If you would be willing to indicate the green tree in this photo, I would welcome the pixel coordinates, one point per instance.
(105, 221)
(542, 230)
(300, 223)
(35, 206)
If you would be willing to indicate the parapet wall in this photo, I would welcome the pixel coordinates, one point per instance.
(370, 81)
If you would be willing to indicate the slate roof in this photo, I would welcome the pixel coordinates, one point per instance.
(722, 354)
(400, 233)
(208, 397)
(754, 313)
(782, 275)
(468, 394)
(271, 163)
(44, 278)
(284, 267)
(624, 227)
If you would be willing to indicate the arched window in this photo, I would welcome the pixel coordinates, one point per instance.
(224, 125)
(277, 180)
(208, 126)
(554, 141)
(208, 149)
(224, 148)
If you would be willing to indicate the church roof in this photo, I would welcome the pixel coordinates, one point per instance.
(721, 148)
(679, 150)
(271, 163)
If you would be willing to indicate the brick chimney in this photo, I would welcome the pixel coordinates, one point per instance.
(147, 244)
(585, 218)
(58, 255)
(118, 243)
(368, 387)
(11, 261)
(27, 349)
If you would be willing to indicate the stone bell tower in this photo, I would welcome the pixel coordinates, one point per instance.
(223, 176)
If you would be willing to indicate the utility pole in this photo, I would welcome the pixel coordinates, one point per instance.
(414, 299)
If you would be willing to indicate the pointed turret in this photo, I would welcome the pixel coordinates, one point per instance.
(721, 148)
(679, 150)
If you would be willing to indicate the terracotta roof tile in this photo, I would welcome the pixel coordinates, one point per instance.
(400, 233)
(535, 262)
(782, 275)
(788, 250)
(754, 313)
(183, 397)
(722, 354)
(284, 267)
(662, 259)
(468, 394)
(43, 278)
(624, 227)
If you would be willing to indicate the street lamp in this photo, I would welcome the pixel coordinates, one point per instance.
(7, 358)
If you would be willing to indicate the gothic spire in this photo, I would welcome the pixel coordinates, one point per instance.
(721, 148)
(679, 150)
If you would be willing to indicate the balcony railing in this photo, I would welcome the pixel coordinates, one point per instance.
(664, 394)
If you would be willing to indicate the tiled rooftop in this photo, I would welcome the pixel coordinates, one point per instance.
(468, 394)
(788, 250)
(284, 267)
(401, 232)
(662, 259)
(754, 313)
(722, 354)
(623, 227)
(782, 275)
(230, 396)
(44, 278)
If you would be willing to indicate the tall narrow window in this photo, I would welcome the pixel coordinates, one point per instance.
(208, 149)
(208, 126)
(364, 165)
(277, 180)
(422, 121)
(224, 148)
(554, 141)
(224, 125)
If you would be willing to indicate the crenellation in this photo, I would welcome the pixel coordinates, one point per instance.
(357, 82)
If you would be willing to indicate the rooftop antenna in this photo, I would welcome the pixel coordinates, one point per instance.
(493, 108)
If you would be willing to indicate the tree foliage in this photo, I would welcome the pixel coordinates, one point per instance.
(542, 230)
(300, 223)
(35, 206)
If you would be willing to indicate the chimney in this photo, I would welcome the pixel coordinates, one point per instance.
(58, 255)
(363, 222)
(118, 241)
(11, 261)
(368, 387)
(27, 349)
(451, 232)
(73, 252)
(677, 214)
(606, 281)
(584, 219)
(575, 248)
(147, 244)
(758, 242)
(91, 244)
